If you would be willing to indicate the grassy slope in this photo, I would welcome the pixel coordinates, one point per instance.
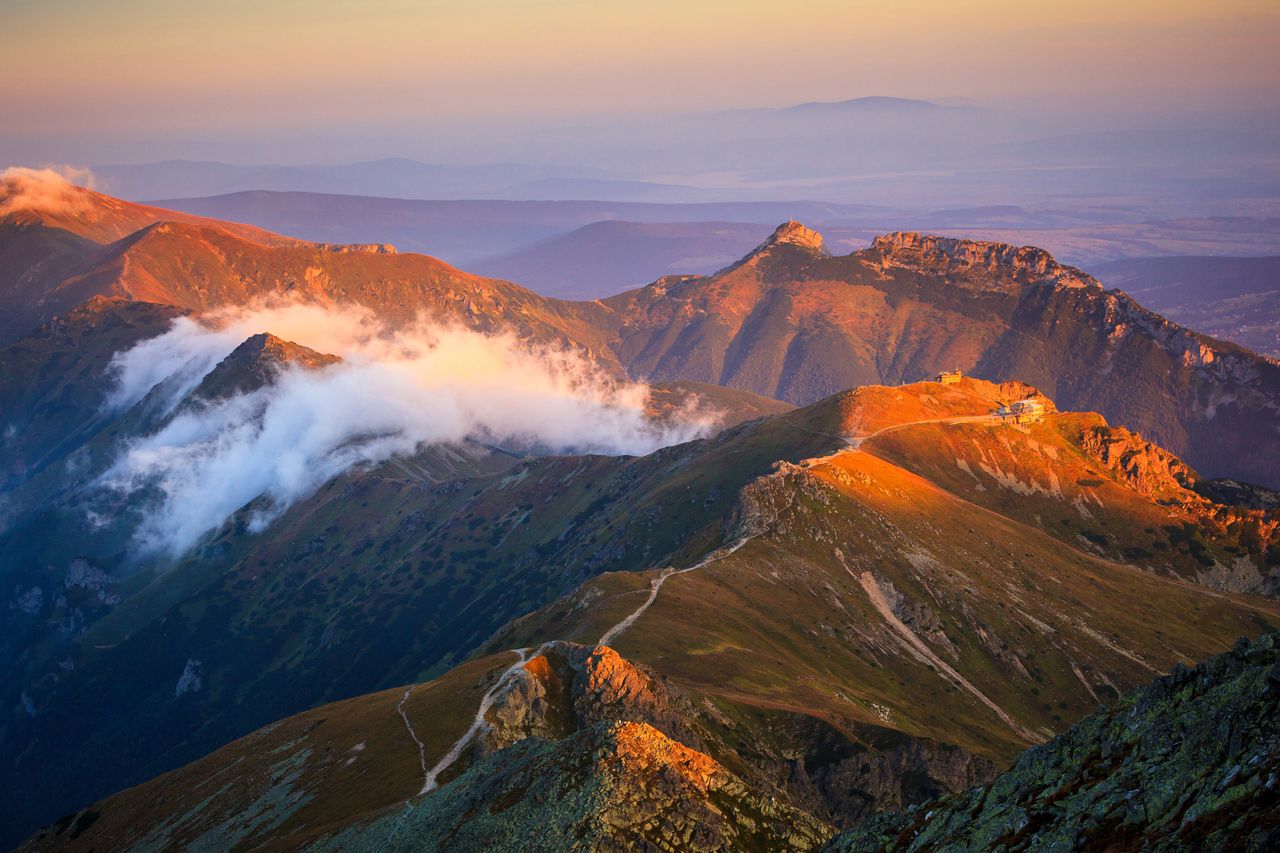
(1033, 618)
(785, 624)
(382, 577)
(1136, 511)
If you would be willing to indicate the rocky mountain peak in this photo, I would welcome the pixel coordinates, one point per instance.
(265, 346)
(788, 234)
(255, 363)
(792, 233)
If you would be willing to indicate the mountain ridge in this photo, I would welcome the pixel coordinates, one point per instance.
(414, 565)
(788, 322)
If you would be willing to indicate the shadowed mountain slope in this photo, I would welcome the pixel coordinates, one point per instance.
(1187, 763)
(1237, 299)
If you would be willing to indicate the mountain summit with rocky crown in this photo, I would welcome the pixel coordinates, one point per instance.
(792, 322)
(792, 233)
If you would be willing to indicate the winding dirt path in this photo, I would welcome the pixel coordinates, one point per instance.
(422, 749)
(479, 723)
(656, 584)
(855, 441)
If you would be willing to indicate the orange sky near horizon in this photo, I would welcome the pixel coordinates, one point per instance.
(67, 66)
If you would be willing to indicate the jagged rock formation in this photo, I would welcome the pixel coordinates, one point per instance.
(1149, 469)
(608, 787)
(977, 264)
(364, 248)
(830, 773)
(592, 748)
(569, 686)
(1191, 762)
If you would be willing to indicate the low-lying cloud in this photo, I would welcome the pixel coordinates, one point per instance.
(395, 392)
(51, 189)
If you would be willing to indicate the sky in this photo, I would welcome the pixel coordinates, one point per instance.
(262, 77)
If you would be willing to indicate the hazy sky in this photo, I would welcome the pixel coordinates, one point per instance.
(78, 73)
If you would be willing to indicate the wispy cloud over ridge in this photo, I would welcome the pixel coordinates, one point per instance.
(394, 393)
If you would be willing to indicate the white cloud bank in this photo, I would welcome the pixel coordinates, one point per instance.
(394, 393)
(51, 189)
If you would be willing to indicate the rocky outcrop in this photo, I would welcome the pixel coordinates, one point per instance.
(788, 238)
(1245, 519)
(569, 686)
(842, 776)
(359, 248)
(792, 233)
(998, 262)
(1191, 762)
(1145, 467)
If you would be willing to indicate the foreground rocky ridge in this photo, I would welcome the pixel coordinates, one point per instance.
(578, 751)
(1191, 762)
(612, 786)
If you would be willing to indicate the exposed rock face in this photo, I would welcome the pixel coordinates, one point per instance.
(1221, 507)
(611, 786)
(1147, 468)
(360, 248)
(571, 686)
(1191, 762)
(817, 766)
(788, 239)
(794, 234)
(795, 324)
(997, 263)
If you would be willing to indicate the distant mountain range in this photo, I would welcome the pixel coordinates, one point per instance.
(553, 247)
(395, 177)
(605, 257)
(465, 232)
(858, 589)
(872, 105)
